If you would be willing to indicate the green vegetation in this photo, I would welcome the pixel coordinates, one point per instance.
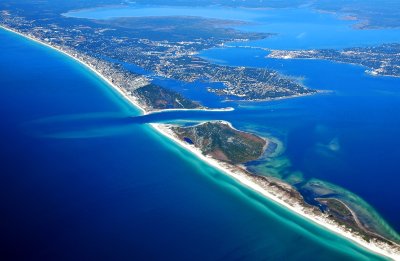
(338, 210)
(222, 142)
(342, 214)
(157, 97)
(364, 219)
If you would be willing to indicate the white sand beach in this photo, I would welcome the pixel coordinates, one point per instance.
(236, 172)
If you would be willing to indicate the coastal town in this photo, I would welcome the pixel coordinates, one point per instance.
(173, 57)
(105, 47)
(383, 60)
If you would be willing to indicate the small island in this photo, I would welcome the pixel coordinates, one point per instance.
(222, 142)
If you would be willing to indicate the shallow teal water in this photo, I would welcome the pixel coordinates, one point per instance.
(82, 182)
(348, 137)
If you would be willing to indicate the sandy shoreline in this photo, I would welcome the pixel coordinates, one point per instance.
(233, 171)
(235, 174)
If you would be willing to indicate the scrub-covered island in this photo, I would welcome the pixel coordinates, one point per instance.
(124, 50)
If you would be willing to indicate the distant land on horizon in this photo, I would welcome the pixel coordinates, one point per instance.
(284, 99)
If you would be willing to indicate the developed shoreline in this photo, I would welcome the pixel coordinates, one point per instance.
(116, 88)
(233, 171)
(367, 70)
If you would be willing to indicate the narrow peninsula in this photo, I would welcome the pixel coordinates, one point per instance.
(382, 60)
(219, 143)
(204, 140)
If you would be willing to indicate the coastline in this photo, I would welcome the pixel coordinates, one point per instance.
(235, 172)
(286, 97)
(239, 175)
(116, 88)
(121, 92)
(367, 70)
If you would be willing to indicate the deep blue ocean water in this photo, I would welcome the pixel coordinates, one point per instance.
(82, 180)
(348, 137)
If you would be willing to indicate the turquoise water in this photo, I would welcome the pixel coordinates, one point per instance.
(348, 137)
(80, 180)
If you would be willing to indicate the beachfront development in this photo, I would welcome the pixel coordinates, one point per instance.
(276, 190)
(383, 60)
(174, 57)
(132, 58)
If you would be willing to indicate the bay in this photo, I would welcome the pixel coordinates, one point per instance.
(346, 140)
(80, 181)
